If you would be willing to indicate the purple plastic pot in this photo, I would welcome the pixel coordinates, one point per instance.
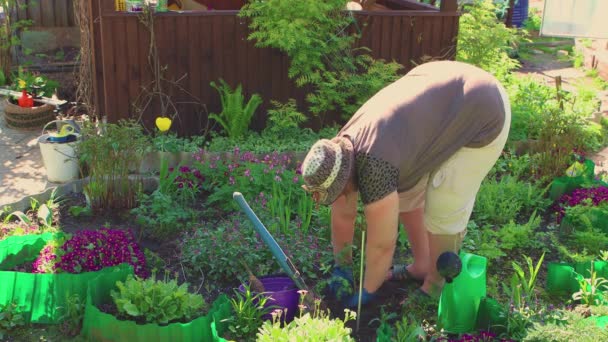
(283, 294)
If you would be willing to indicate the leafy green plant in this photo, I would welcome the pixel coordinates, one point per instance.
(484, 41)
(236, 116)
(405, 330)
(170, 206)
(573, 327)
(514, 235)
(249, 310)
(317, 326)
(109, 152)
(316, 38)
(11, 318)
(589, 292)
(501, 201)
(216, 249)
(9, 37)
(73, 314)
(284, 117)
(522, 284)
(34, 83)
(170, 142)
(156, 301)
(534, 20)
(289, 140)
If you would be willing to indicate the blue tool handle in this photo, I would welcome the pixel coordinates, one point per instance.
(278, 253)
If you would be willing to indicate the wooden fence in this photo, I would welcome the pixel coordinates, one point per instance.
(47, 13)
(200, 47)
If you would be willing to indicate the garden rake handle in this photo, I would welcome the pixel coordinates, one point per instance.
(276, 250)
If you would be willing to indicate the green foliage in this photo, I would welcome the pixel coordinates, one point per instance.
(590, 289)
(309, 32)
(73, 314)
(34, 83)
(501, 201)
(512, 164)
(108, 156)
(216, 249)
(308, 327)
(9, 39)
(582, 228)
(170, 142)
(404, 330)
(284, 117)
(534, 20)
(11, 318)
(156, 301)
(522, 285)
(165, 211)
(288, 140)
(252, 176)
(577, 329)
(514, 235)
(484, 41)
(347, 91)
(529, 100)
(315, 37)
(248, 308)
(236, 116)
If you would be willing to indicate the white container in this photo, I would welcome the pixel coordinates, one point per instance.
(59, 158)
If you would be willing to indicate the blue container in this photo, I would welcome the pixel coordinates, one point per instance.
(520, 12)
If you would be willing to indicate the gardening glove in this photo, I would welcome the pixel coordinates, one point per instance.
(352, 301)
(341, 282)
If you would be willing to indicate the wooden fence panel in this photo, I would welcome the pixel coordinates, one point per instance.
(48, 13)
(207, 46)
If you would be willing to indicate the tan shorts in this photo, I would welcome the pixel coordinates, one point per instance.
(448, 194)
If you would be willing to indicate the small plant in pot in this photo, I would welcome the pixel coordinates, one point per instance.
(25, 112)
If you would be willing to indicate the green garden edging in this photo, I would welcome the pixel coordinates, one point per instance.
(42, 297)
(16, 250)
(100, 326)
(562, 277)
(566, 184)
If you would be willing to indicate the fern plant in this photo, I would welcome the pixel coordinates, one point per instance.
(236, 115)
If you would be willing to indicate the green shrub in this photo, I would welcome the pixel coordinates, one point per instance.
(502, 201)
(514, 235)
(160, 302)
(217, 250)
(315, 36)
(484, 41)
(576, 329)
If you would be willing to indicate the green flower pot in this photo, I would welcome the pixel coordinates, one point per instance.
(100, 326)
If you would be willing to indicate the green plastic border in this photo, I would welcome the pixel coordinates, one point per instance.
(16, 250)
(42, 297)
(562, 277)
(100, 326)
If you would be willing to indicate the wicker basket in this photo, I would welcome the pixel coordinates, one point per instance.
(27, 118)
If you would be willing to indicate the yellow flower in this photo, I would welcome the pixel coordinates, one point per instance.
(163, 123)
(22, 84)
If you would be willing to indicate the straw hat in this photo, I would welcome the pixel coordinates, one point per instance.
(327, 168)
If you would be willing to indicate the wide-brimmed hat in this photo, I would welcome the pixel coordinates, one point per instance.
(327, 167)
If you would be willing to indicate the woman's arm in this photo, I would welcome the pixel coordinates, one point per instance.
(343, 215)
(382, 219)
